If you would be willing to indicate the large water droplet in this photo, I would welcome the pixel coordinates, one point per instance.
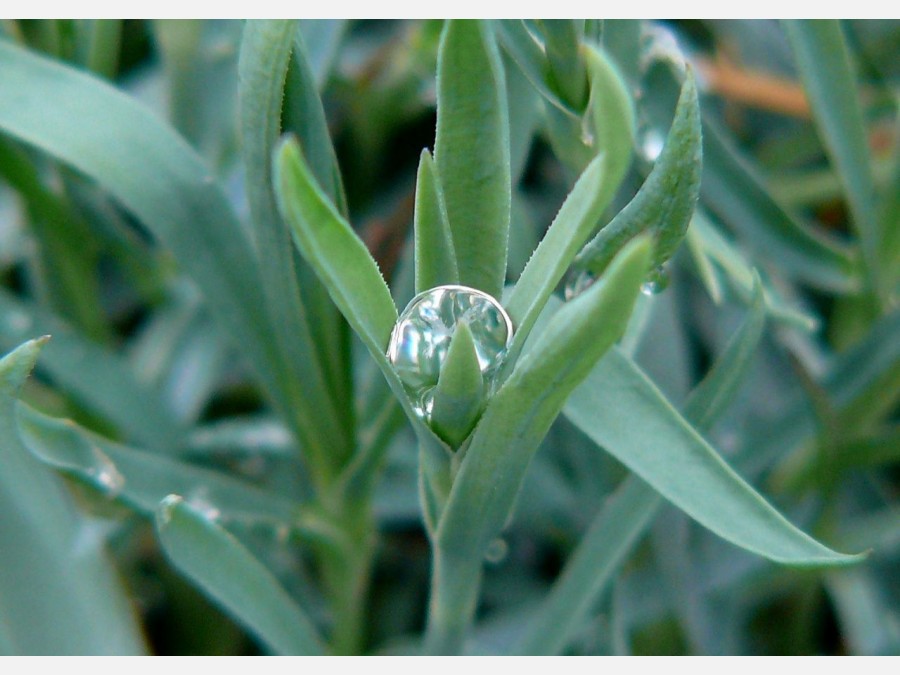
(421, 338)
(496, 551)
(650, 143)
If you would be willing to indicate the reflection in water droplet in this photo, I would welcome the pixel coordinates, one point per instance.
(657, 283)
(496, 551)
(421, 338)
(105, 474)
(578, 283)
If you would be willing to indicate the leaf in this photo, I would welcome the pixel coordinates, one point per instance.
(709, 399)
(611, 115)
(567, 70)
(666, 200)
(155, 175)
(618, 527)
(576, 219)
(263, 67)
(343, 264)
(337, 254)
(733, 188)
(508, 435)
(604, 547)
(60, 594)
(459, 394)
(140, 479)
(322, 38)
(435, 257)
(229, 574)
(623, 412)
(471, 152)
(95, 376)
(823, 60)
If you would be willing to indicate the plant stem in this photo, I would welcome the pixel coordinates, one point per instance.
(455, 585)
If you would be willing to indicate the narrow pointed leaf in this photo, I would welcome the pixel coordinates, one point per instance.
(150, 170)
(435, 256)
(823, 61)
(567, 69)
(266, 50)
(618, 527)
(666, 200)
(510, 431)
(229, 574)
(472, 152)
(330, 245)
(96, 377)
(612, 116)
(141, 479)
(59, 594)
(733, 188)
(459, 394)
(623, 412)
(572, 226)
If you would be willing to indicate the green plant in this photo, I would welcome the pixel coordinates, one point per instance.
(220, 366)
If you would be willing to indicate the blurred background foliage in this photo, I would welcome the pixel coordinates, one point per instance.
(815, 427)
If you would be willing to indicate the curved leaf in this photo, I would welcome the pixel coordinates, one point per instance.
(229, 574)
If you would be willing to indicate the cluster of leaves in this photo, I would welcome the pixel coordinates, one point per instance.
(194, 211)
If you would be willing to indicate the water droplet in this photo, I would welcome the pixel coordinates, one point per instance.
(650, 143)
(496, 551)
(421, 338)
(657, 283)
(199, 501)
(105, 474)
(578, 282)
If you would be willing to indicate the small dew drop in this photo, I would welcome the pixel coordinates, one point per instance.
(496, 551)
(651, 143)
(168, 505)
(657, 283)
(105, 474)
(201, 503)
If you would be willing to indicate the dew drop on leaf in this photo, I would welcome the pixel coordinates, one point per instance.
(421, 338)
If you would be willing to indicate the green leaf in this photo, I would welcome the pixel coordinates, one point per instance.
(611, 537)
(623, 412)
(343, 264)
(472, 152)
(823, 60)
(733, 188)
(263, 67)
(567, 70)
(709, 399)
(611, 115)
(574, 223)
(141, 479)
(96, 377)
(330, 245)
(666, 200)
(155, 175)
(508, 435)
(229, 574)
(322, 38)
(59, 594)
(459, 394)
(622, 521)
(435, 257)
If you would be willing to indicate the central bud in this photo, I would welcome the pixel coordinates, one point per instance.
(421, 339)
